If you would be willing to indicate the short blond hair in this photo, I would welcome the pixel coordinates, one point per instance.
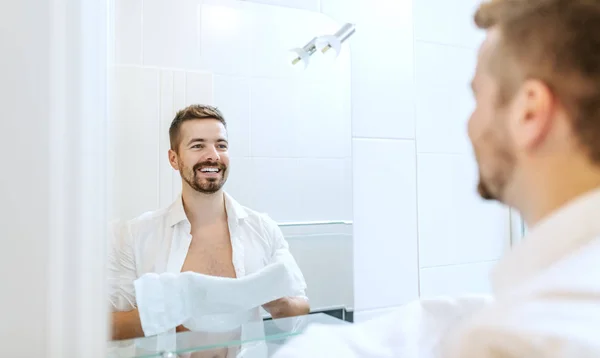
(557, 42)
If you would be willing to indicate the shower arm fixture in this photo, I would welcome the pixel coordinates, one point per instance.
(332, 41)
(342, 35)
(305, 52)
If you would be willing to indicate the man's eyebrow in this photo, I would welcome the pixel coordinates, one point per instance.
(202, 140)
(194, 140)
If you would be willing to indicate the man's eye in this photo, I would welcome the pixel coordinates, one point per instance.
(197, 146)
(222, 146)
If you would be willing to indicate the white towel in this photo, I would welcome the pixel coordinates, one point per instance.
(207, 303)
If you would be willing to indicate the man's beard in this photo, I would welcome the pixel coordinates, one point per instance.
(493, 187)
(484, 191)
(204, 185)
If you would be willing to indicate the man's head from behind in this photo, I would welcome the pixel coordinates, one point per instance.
(537, 89)
(199, 148)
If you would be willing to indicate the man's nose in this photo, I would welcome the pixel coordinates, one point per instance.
(212, 154)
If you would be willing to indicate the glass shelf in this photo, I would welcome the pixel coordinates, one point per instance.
(254, 337)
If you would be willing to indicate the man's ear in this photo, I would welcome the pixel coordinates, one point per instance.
(535, 106)
(173, 159)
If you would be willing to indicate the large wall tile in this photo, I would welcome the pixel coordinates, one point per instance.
(385, 223)
(133, 156)
(171, 33)
(444, 100)
(128, 32)
(274, 121)
(311, 5)
(225, 34)
(344, 10)
(240, 183)
(455, 225)
(324, 193)
(383, 82)
(323, 114)
(136, 94)
(276, 188)
(382, 66)
(370, 13)
(456, 280)
(292, 190)
(232, 97)
(447, 22)
(134, 148)
(298, 118)
(165, 171)
(199, 88)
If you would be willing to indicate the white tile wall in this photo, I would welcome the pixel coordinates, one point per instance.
(240, 183)
(128, 27)
(199, 88)
(165, 171)
(136, 94)
(385, 227)
(443, 97)
(456, 279)
(225, 34)
(311, 5)
(134, 141)
(135, 176)
(275, 186)
(171, 36)
(383, 77)
(232, 96)
(455, 225)
(447, 22)
(274, 120)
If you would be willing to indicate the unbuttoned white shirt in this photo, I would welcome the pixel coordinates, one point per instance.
(546, 303)
(158, 242)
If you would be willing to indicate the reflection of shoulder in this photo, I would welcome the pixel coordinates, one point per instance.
(260, 219)
(148, 224)
(260, 223)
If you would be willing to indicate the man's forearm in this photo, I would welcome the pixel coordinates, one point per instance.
(294, 306)
(126, 325)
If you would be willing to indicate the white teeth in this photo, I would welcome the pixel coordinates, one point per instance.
(209, 170)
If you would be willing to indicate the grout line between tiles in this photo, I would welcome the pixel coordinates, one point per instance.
(458, 264)
(464, 47)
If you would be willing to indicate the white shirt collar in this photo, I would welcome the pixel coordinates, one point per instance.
(235, 212)
(554, 238)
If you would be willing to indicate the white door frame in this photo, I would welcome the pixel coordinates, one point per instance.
(79, 58)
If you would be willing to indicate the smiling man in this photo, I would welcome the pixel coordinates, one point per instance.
(205, 230)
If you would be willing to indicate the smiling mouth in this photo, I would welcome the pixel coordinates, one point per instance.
(210, 170)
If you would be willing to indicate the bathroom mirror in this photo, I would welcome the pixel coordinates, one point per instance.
(289, 127)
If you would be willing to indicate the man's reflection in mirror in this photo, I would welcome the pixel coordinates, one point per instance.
(204, 230)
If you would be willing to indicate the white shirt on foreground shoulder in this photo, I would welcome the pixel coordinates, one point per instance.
(158, 242)
(546, 304)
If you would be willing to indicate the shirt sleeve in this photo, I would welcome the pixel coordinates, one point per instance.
(121, 268)
(537, 328)
(281, 253)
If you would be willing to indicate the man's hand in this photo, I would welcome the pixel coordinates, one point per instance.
(126, 325)
(287, 307)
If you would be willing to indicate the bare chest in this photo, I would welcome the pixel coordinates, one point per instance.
(210, 252)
